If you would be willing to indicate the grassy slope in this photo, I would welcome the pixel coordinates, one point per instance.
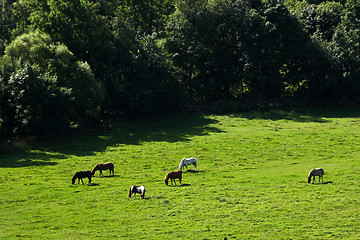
(251, 183)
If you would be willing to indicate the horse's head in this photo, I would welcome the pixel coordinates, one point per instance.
(166, 181)
(73, 180)
(309, 179)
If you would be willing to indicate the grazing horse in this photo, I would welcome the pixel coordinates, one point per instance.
(188, 161)
(316, 172)
(173, 175)
(137, 189)
(103, 166)
(80, 175)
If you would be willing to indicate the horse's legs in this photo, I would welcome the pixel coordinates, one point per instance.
(180, 180)
(81, 181)
(101, 174)
(89, 180)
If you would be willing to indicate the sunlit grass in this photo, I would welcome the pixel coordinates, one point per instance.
(251, 181)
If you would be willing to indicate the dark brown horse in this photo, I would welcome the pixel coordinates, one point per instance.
(137, 189)
(316, 172)
(173, 175)
(103, 166)
(80, 175)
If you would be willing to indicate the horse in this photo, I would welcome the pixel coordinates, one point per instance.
(80, 175)
(173, 175)
(188, 161)
(103, 166)
(137, 189)
(316, 172)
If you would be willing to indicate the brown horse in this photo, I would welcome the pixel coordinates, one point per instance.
(173, 175)
(316, 172)
(137, 189)
(80, 175)
(103, 166)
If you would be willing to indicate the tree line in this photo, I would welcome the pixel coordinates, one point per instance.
(66, 64)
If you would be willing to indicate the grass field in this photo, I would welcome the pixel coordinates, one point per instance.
(251, 183)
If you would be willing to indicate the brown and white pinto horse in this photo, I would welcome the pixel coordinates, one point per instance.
(316, 172)
(137, 189)
(103, 166)
(173, 175)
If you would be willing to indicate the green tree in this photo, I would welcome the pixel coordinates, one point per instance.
(76, 24)
(145, 16)
(142, 83)
(46, 87)
(345, 51)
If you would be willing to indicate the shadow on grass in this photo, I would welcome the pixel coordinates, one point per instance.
(139, 198)
(26, 159)
(171, 130)
(108, 176)
(301, 115)
(193, 171)
(320, 183)
(323, 183)
(93, 184)
(180, 185)
(129, 133)
(185, 185)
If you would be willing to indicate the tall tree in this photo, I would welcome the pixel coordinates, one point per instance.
(76, 24)
(45, 87)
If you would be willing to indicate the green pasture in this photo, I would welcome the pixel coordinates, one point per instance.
(251, 182)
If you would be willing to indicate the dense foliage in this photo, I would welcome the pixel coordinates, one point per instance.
(66, 63)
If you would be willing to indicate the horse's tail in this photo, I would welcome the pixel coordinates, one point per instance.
(143, 194)
(111, 167)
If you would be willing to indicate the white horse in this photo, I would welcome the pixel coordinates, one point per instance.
(188, 161)
(316, 172)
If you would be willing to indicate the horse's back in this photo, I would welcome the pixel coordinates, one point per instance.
(109, 165)
(316, 172)
(175, 174)
(104, 166)
(82, 174)
(191, 160)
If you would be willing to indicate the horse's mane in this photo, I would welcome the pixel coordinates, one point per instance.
(95, 168)
(309, 175)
